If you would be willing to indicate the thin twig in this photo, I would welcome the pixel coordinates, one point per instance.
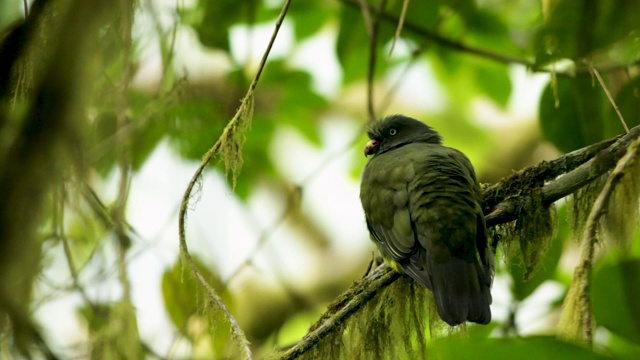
(366, 17)
(371, 71)
(122, 149)
(403, 15)
(611, 100)
(213, 296)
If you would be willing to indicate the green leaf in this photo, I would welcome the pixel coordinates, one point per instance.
(494, 81)
(466, 8)
(105, 127)
(113, 330)
(309, 17)
(301, 108)
(352, 46)
(615, 292)
(212, 20)
(425, 14)
(576, 29)
(533, 348)
(628, 102)
(182, 293)
(197, 122)
(581, 116)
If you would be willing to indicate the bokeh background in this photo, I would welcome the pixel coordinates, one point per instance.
(509, 83)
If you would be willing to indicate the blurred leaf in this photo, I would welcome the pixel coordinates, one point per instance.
(532, 348)
(487, 30)
(257, 164)
(309, 17)
(105, 127)
(628, 101)
(353, 45)
(575, 29)
(627, 50)
(581, 117)
(466, 8)
(113, 330)
(288, 97)
(615, 292)
(423, 13)
(494, 81)
(10, 12)
(621, 348)
(521, 289)
(197, 124)
(182, 293)
(212, 20)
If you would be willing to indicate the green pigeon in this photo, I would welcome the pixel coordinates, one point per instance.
(421, 201)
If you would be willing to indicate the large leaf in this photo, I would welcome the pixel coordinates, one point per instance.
(534, 348)
(309, 17)
(289, 99)
(576, 28)
(212, 19)
(494, 81)
(581, 116)
(185, 300)
(628, 101)
(615, 292)
(352, 46)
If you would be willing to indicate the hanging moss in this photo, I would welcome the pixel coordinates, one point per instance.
(527, 240)
(582, 201)
(620, 221)
(232, 139)
(393, 324)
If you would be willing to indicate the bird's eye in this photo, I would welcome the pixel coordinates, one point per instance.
(392, 132)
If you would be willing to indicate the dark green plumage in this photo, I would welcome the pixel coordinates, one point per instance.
(422, 205)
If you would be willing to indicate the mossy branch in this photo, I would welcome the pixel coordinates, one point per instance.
(229, 147)
(567, 184)
(343, 307)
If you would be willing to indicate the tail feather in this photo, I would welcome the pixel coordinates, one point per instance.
(461, 289)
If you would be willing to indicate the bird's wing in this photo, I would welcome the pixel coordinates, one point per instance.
(385, 199)
(449, 225)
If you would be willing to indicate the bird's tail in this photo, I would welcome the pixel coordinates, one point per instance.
(461, 289)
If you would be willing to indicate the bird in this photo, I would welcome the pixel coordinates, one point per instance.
(422, 205)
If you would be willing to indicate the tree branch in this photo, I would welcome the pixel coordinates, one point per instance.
(464, 48)
(567, 184)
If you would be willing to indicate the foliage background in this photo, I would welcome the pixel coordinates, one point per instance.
(510, 83)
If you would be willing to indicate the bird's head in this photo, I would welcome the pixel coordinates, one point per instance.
(396, 130)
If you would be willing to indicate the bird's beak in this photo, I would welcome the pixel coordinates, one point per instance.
(371, 147)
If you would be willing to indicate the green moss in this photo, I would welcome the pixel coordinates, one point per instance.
(528, 239)
(395, 324)
(620, 220)
(582, 202)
